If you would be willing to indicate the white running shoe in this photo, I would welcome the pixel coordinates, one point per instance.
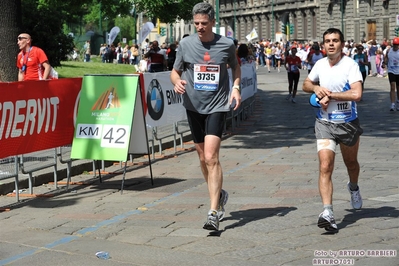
(224, 196)
(356, 198)
(212, 222)
(327, 221)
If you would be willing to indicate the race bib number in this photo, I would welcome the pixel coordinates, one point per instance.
(339, 111)
(294, 68)
(206, 77)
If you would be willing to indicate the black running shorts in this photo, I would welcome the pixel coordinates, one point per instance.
(393, 78)
(202, 125)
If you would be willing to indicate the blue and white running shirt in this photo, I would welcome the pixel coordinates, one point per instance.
(337, 79)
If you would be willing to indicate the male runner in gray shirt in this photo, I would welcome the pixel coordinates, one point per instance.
(200, 75)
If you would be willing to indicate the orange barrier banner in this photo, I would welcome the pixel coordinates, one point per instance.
(37, 115)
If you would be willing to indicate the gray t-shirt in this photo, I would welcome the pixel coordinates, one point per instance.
(204, 67)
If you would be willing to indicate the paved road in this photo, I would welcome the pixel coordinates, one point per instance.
(270, 170)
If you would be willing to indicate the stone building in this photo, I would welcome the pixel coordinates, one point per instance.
(359, 19)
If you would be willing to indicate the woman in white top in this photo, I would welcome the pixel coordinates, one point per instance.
(277, 56)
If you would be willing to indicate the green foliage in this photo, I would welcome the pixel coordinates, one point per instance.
(48, 21)
(127, 26)
(110, 9)
(45, 23)
(167, 10)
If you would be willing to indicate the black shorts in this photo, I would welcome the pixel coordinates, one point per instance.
(393, 78)
(345, 133)
(202, 125)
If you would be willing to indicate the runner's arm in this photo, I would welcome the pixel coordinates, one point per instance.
(354, 94)
(313, 87)
(386, 57)
(179, 84)
(236, 93)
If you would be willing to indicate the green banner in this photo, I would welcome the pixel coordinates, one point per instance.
(105, 117)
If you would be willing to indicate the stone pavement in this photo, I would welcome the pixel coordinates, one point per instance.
(271, 173)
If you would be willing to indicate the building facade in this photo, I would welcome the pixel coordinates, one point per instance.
(358, 19)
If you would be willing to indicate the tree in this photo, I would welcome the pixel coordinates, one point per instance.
(108, 8)
(168, 11)
(127, 26)
(45, 23)
(10, 19)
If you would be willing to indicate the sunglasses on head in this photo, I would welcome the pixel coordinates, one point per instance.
(21, 38)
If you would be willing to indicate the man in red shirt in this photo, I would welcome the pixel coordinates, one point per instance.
(32, 62)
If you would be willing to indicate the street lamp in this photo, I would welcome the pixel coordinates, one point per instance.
(217, 17)
(100, 21)
(234, 18)
(134, 15)
(342, 16)
(272, 37)
(170, 33)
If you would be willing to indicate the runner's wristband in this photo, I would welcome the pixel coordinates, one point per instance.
(237, 88)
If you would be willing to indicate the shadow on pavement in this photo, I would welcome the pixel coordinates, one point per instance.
(246, 216)
(137, 183)
(364, 213)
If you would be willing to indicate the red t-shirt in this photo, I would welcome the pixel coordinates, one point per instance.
(293, 62)
(33, 59)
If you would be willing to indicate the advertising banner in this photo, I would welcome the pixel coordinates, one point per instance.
(112, 35)
(163, 105)
(249, 84)
(145, 31)
(37, 115)
(105, 117)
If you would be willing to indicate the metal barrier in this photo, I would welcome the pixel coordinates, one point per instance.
(9, 169)
(162, 132)
(248, 107)
(233, 116)
(181, 128)
(64, 156)
(35, 161)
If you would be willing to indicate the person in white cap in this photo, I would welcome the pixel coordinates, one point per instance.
(392, 61)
